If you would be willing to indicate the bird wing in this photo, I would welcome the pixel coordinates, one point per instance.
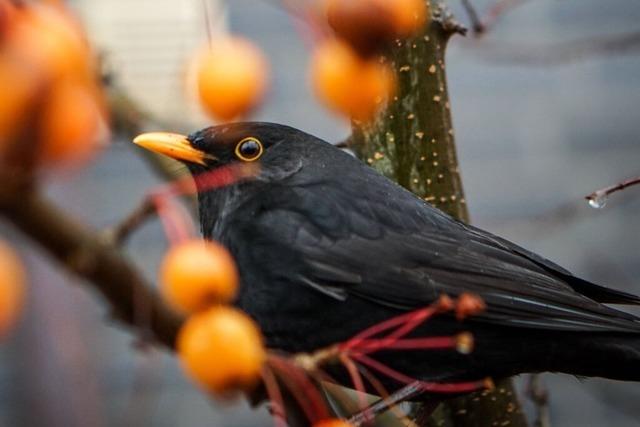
(389, 247)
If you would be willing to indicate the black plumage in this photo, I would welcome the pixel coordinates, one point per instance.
(326, 246)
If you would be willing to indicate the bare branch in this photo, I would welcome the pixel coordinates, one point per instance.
(121, 231)
(559, 53)
(384, 404)
(598, 198)
(539, 395)
(481, 26)
(476, 24)
(499, 8)
(85, 253)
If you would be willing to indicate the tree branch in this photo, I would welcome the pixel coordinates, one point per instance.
(477, 25)
(481, 26)
(413, 143)
(540, 398)
(89, 256)
(558, 53)
(598, 198)
(118, 234)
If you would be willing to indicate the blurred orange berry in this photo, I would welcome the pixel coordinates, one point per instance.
(333, 422)
(55, 3)
(19, 88)
(222, 349)
(347, 83)
(232, 75)
(70, 125)
(7, 14)
(364, 24)
(408, 16)
(197, 274)
(12, 287)
(49, 84)
(49, 41)
(371, 25)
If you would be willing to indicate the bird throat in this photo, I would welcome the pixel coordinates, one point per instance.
(216, 208)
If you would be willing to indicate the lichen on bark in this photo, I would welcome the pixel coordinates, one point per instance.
(413, 143)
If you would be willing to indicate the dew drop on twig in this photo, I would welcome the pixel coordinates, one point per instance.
(598, 200)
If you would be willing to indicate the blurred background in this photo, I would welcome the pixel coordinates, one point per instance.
(543, 113)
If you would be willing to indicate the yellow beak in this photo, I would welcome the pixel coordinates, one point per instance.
(173, 145)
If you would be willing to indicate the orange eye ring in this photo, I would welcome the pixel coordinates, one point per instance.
(249, 149)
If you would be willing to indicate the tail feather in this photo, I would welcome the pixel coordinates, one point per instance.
(601, 293)
(588, 354)
(615, 357)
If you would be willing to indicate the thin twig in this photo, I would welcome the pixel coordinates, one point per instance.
(207, 22)
(476, 24)
(481, 26)
(384, 394)
(499, 8)
(358, 384)
(600, 196)
(123, 230)
(447, 21)
(539, 395)
(405, 393)
(277, 407)
(301, 387)
(558, 53)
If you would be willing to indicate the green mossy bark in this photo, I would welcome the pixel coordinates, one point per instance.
(413, 143)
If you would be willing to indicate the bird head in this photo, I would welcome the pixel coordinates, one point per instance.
(271, 153)
(247, 143)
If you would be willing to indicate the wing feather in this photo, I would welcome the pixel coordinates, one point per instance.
(396, 250)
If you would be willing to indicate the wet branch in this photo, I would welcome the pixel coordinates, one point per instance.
(598, 197)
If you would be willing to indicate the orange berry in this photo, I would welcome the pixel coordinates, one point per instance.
(364, 24)
(197, 274)
(232, 76)
(19, 89)
(349, 84)
(55, 3)
(42, 52)
(333, 422)
(222, 349)
(371, 25)
(49, 41)
(377, 84)
(12, 287)
(408, 16)
(332, 69)
(70, 125)
(7, 15)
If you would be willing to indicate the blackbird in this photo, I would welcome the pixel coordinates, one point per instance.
(326, 247)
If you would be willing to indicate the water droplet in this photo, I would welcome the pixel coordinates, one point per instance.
(598, 200)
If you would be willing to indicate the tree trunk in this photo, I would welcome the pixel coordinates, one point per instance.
(412, 142)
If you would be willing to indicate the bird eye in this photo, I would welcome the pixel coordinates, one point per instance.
(249, 149)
